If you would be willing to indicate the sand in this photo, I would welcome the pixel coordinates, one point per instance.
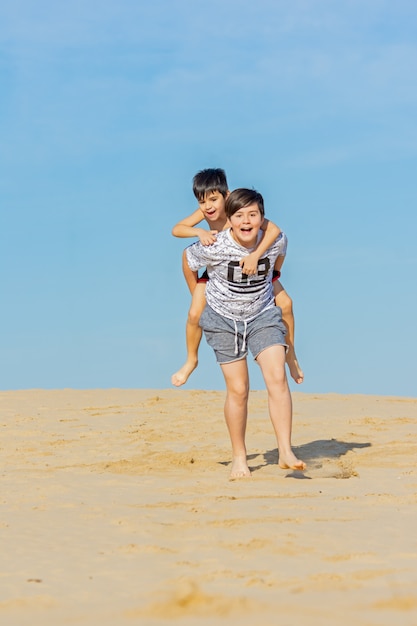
(116, 509)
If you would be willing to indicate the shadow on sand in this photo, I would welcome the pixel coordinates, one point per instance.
(311, 453)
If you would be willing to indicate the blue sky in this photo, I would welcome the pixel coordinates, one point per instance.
(108, 109)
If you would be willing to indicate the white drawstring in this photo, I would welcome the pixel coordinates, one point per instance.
(244, 336)
(245, 332)
(236, 341)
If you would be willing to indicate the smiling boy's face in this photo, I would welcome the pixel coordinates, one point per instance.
(246, 223)
(212, 205)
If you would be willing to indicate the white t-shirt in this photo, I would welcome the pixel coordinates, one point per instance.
(229, 292)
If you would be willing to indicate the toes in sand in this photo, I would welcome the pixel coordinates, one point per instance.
(291, 462)
(239, 468)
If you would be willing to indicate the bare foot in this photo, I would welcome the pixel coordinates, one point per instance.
(290, 461)
(240, 468)
(295, 370)
(181, 377)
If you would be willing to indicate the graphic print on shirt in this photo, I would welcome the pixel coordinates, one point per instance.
(238, 280)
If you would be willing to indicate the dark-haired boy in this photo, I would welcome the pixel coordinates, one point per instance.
(240, 313)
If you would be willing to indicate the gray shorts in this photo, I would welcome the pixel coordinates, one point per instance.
(230, 339)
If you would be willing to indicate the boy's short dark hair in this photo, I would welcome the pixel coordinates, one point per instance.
(211, 179)
(240, 198)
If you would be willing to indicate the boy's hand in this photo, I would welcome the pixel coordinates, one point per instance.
(249, 264)
(207, 237)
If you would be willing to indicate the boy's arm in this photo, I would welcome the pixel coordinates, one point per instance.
(249, 263)
(188, 228)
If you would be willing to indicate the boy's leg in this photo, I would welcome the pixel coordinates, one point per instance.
(193, 334)
(283, 300)
(272, 363)
(236, 413)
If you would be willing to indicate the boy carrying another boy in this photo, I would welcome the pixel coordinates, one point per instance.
(240, 313)
(211, 190)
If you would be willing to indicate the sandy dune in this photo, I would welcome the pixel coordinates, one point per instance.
(116, 509)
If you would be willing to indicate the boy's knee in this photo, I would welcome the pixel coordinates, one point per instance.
(194, 316)
(284, 301)
(277, 383)
(239, 390)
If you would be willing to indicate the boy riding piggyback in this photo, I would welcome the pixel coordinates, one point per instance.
(211, 191)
